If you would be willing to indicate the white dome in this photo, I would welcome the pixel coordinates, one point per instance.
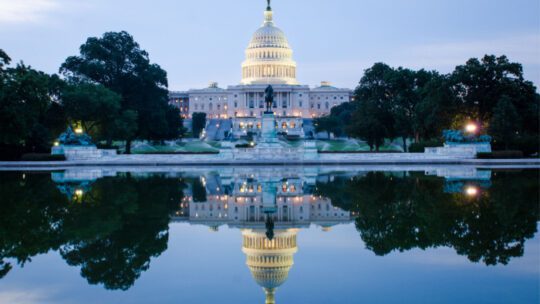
(269, 36)
(268, 56)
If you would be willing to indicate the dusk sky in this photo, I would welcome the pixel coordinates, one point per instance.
(201, 41)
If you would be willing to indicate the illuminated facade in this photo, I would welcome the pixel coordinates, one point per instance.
(268, 60)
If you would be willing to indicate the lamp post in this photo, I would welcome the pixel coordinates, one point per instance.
(471, 127)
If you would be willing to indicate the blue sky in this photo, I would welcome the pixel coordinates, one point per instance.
(204, 40)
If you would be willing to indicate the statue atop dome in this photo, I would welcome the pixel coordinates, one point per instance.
(268, 8)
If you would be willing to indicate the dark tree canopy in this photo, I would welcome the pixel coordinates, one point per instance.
(27, 98)
(91, 105)
(198, 123)
(117, 62)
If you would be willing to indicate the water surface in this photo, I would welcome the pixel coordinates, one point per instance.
(289, 235)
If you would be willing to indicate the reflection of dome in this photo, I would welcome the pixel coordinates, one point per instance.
(268, 56)
(269, 261)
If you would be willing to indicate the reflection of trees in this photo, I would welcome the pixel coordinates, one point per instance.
(32, 210)
(119, 227)
(112, 233)
(412, 211)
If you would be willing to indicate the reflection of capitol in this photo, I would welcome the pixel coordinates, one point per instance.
(245, 201)
(268, 210)
(269, 260)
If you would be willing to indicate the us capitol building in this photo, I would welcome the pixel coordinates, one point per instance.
(269, 60)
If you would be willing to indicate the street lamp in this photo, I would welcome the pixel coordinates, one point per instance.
(471, 128)
(472, 191)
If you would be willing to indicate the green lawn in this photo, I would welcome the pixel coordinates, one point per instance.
(189, 147)
(350, 145)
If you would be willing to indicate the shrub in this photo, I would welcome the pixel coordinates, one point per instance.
(42, 157)
(244, 146)
(500, 155)
(420, 147)
(529, 144)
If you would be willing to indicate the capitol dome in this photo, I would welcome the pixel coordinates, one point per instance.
(269, 56)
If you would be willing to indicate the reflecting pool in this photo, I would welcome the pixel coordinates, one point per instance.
(270, 235)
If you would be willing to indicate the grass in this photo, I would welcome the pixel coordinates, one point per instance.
(325, 146)
(182, 148)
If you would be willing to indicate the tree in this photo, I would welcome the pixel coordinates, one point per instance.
(505, 122)
(26, 98)
(198, 124)
(367, 124)
(437, 107)
(373, 120)
(91, 105)
(328, 124)
(117, 62)
(480, 84)
(4, 60)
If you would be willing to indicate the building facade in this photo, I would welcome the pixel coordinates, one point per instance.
(268, 61)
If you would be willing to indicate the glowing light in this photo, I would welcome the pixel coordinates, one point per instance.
(252, 144)
(79, 131)
(471, 128)
(79, 192)
(56, 144)
(472, 191)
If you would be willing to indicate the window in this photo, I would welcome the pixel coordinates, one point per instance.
(319, 106)
(327, 105)
(300, 104)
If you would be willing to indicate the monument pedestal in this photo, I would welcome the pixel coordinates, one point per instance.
(268, 128)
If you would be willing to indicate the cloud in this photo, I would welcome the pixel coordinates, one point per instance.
(25, 297)
(26, 11)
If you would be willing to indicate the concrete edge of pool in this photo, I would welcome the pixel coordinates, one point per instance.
(172, 161)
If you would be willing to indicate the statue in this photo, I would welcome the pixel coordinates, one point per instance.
(69, 138)
(269, 99)
(457, 136)
(268, 8)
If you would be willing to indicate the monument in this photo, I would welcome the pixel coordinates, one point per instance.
(269, 133)
(78, 146)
